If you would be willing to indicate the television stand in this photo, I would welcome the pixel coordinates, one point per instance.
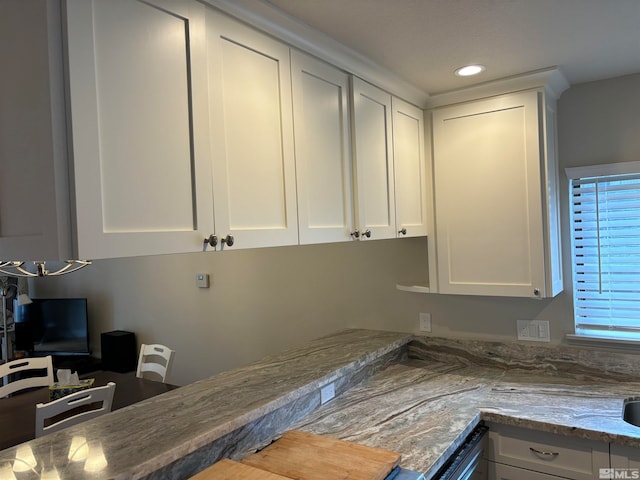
(82, 364)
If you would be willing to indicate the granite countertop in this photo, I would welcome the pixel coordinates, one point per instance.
(424, 408)
(417, 396)
(140, 440)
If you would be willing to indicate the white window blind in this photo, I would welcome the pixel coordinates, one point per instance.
(605, 224)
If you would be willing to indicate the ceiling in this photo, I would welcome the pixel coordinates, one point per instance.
(424, 41)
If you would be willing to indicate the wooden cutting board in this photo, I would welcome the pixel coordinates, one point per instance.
(306, 456)
(230, 470)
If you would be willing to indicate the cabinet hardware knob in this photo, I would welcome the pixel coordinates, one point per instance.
(367, 233)
(403, 231)
(545, 454)
(355, 234)
(536, 292)
(228, 241)
(212, 240)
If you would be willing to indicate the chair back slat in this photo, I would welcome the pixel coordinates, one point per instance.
(156, 359)
(72, 402)
(43, 364)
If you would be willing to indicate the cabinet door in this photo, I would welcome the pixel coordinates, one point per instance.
(372, 141)
(251, 134)
(552, 212)
(623, 457)
(34, 201)
(323, 160)
(488, 200)
(498, 471)
(409, 166)
(138, 95)
(566, 457)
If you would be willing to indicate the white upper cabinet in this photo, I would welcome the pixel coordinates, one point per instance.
(139, 126)
(410, 169)
(495, 216)
(142, 127)
(34, 192)
(251, 135)
(373, 161)
(323, 160)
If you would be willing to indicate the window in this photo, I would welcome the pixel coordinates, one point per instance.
(605, 245)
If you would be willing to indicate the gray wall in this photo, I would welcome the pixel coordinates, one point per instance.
(262, 301)
(599, 122)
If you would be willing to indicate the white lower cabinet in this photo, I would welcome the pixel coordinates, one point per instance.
(625, 457)
(515, 453)
(498, 471)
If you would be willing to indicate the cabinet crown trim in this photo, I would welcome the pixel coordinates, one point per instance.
(288, 29)
(551, 79)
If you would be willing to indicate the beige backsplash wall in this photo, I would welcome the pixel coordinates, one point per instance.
(265, 300)
(260, 301)
(598, 122)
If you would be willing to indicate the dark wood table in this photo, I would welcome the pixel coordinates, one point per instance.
(18, 412)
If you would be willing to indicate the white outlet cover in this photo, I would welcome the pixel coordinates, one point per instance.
(327, 393)
(425, 322)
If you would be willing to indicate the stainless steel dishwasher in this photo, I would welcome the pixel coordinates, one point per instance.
(464, 463)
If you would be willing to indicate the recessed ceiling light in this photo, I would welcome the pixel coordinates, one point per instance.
(469, 70)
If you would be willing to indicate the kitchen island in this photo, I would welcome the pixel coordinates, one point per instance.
(179, 433)
(416, 396)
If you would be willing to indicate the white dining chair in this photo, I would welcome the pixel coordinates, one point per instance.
(156, 359)
(41, 374)
(74, 402)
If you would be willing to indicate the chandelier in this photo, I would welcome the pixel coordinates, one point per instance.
(39, 268)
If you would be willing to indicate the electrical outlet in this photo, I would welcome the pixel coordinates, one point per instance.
(533, 330)
(425, 322)
(327, 393)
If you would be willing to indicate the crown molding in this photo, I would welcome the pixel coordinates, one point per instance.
(551, 79)
(272, 21)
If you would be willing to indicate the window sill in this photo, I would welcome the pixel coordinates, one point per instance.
(602, 341)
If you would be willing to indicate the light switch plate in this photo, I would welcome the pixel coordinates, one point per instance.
(533, 330)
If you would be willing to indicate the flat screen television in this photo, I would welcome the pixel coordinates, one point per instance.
(52, 326)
